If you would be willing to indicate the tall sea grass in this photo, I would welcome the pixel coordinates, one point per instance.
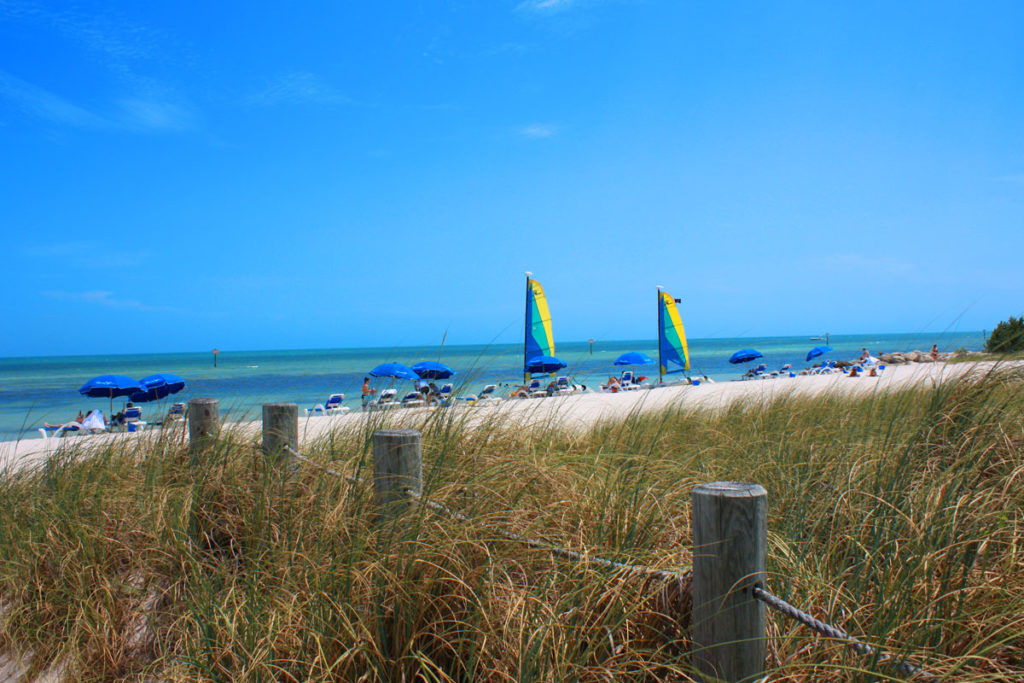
(899, 517)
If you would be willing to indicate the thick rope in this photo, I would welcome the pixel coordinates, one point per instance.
(552, 548)
(335, 473)
(780, 605)
(509, 535)
(776, 603)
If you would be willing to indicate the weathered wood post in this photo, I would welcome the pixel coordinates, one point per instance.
(730, 530)
(203, 422)
(280, 429)
(397, 466)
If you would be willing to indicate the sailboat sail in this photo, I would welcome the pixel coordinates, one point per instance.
(539, 339)
(673, 354)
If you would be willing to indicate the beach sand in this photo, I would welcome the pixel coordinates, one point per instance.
(577, 411)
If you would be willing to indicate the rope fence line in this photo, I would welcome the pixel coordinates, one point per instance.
(558, 550)
(858, 646)
(776, 603)
(716, 652)
(508, 535)
(351, 478)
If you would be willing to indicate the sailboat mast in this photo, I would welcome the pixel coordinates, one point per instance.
(526, 329)
(661, 326)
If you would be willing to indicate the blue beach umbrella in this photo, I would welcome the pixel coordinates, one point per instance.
(745, 356)
(429, 369)
(110, 386)
(544, 364)
(634, 358)
(158, 386)
(818, 351)
(394, 371)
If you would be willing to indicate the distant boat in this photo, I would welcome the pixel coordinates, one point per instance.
(824, 339)
(539, 342)
(673, 353)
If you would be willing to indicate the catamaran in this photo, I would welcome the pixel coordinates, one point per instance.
(539, 342)
(673, 353)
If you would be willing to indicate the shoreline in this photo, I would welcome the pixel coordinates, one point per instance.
(573, 411)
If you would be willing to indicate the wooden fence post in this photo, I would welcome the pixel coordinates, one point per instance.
(280, 429)
(203, 422)
(397, 465)
(730, 532)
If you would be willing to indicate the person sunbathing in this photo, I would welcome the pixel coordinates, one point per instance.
(79, 418)
(613, 384)
(522, 391)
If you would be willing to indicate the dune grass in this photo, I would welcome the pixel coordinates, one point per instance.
(898, 517)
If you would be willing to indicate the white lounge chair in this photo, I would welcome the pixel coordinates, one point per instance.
(386, 398)
(334, 406)
(176, 413)
(331, 407)
(535, 390)
(486, 395)
(412, 399)
(628, 381)
(60, 431)
(564, 386)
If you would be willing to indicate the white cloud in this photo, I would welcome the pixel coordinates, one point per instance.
(136, 113)
(538, 130)
(87, 255)
(298, 87)
(155, 115)
(36, 101)
(884, 265)
(544, 5)
(99, 298)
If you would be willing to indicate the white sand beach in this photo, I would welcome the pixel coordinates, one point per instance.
(575, 410)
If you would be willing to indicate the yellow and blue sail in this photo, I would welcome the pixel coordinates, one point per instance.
(539, 339)
(673, 354)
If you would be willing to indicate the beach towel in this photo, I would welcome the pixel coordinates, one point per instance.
(94, 421)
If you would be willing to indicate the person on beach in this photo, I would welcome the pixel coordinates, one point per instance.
(59, 425)
(853, 372)
(367, 392)
(864, 355)
(934, 353)
(424, 390)
(118, 419)
(613, 384)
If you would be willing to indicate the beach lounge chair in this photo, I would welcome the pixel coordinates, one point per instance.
(176, 413)
(444, 394)
(628, 380)
(486, 395)
(60, 431)
(331, 407)
(131, 420)
(412, 399)
(535, 389)
(334, 406)
(563, 385)
(386, 398)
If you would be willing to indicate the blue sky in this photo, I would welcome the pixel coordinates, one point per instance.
(180, 176)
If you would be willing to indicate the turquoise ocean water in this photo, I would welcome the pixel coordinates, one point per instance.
(34, 390)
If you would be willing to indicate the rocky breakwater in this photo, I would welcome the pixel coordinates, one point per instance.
(921, 357)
